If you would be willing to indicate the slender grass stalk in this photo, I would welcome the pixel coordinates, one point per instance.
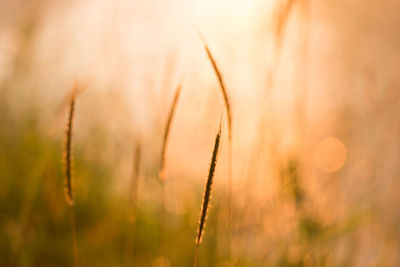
(74, 237)
(207, 195)
(134, 188)
(162, 174)
(229, 118)
(133, 197)
(69, 190)
(28, 210)
(282, 19)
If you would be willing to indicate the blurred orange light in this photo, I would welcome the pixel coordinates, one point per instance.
(330, 155)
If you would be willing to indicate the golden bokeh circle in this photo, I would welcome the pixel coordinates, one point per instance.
(330, 155)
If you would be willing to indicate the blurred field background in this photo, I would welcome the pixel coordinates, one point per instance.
(314, 91)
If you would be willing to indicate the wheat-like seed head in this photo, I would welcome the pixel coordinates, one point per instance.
(162, 174)
(229, 118)
(207, 192)
(221, 84)
(69, 186)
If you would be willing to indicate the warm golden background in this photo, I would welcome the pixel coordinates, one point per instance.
(315, 98)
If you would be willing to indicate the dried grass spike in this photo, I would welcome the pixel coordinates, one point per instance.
(69, 192)
(207, 191)
(221, 84)
(162, 174)
(167, 130)
(229, 117)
